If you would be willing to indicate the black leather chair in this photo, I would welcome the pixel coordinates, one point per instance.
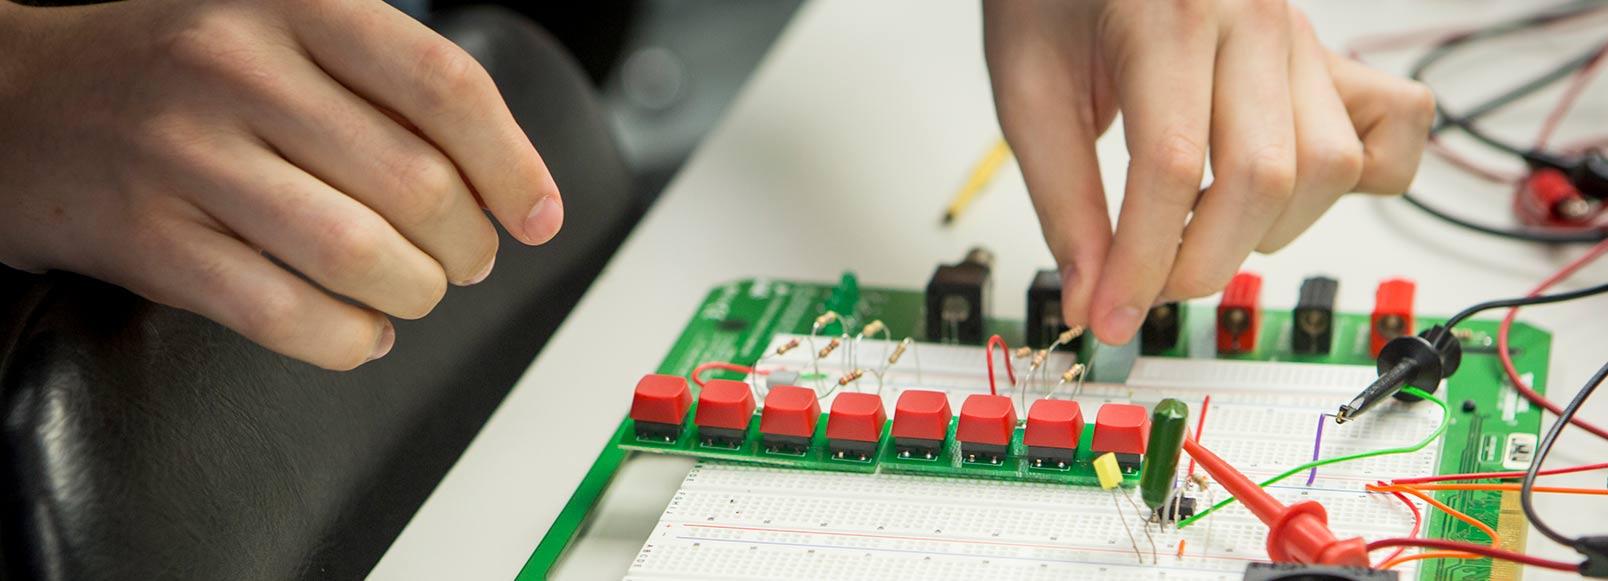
(143, 442)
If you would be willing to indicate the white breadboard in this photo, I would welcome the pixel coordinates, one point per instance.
(732, 521)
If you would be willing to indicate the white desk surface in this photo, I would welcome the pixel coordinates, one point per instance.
(841, 153)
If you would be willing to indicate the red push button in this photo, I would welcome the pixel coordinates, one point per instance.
(1054, 423)
(986, 419)
(1121, 428)
(724, 403)
(790, 411)
(856, 416)
(662, 399)
(922, 415)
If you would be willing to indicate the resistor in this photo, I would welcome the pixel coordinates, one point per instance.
(788, 346)
(899, 351)
(1072, 373)
(873, 328)
(1463, 334)
(1039, 357)
(825, 319)
(850, 377)
(1200, 481)
(1068, 335)
(827, 350)
(1022, 352)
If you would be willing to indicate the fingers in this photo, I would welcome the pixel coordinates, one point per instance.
(1329, 154)
(1253, 153)
(400, 64)
(1050, 122)
(349, 144)
(214, 275)
(1163, 73)
(324, 234)
(1392, 115)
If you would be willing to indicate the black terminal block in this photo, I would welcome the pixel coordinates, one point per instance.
(781, 444)
(1159, 332)
(975, 453)
(851, 449)
(918, 448)
(957, 299)
(657, 431)
(1313, 329)
(1051, 457)
(1044, 323)
(722, 437)
(1304, 572)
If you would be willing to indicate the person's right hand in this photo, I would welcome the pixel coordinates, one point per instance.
(169, 146)
(1288, 126)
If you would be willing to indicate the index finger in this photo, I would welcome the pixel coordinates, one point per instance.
(399, 64)
(1163, 73)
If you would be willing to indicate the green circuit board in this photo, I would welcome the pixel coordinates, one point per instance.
(736, 322)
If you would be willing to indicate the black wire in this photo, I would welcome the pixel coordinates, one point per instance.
(1524, 301)
(1554, 236)
(1527, 488)
(1531, 87)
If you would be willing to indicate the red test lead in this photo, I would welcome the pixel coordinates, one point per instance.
(1298, 533)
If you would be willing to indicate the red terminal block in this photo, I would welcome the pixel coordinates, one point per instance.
(921, 423)
(659, 407)
(724, 409)
(787, 424)
(1239, 315)
(986, 425)
(855, 426)
(1298, 533)
(1122, 429)
(1054, 429)
(1392, 314)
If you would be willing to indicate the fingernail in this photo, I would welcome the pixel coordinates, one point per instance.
(1122, 321)
(387, 340)
(485, 272)
(544, 221)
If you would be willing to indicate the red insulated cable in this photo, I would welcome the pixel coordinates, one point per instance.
(1492, 552)
(1577, 85)
(697, 372)
(1507, 357)
(1200, 426)
(1418, 522)
(1495, 475)
(1009, 372)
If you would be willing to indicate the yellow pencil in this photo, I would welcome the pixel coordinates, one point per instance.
(980, 176)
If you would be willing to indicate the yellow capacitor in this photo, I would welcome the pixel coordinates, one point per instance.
(1107, 469)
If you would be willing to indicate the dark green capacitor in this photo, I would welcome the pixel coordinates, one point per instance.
(1168, 422)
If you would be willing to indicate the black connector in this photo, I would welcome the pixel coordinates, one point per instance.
(1159, 333)
(1313, 329)
(957, 299)
(1595, 549)
(1304, 572)
(1044, 323)
(1421, 361)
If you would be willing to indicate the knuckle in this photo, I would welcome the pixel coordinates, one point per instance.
(219, 44)
(1179, 158)
(1418, 103)
(1193, 282)
(271, 317)
(1336, 165)
(427, 189)
(351, 250)
(450, 74)
(1269, 175)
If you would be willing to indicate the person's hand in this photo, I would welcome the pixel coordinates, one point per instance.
(173, 146)
(1289, 126)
